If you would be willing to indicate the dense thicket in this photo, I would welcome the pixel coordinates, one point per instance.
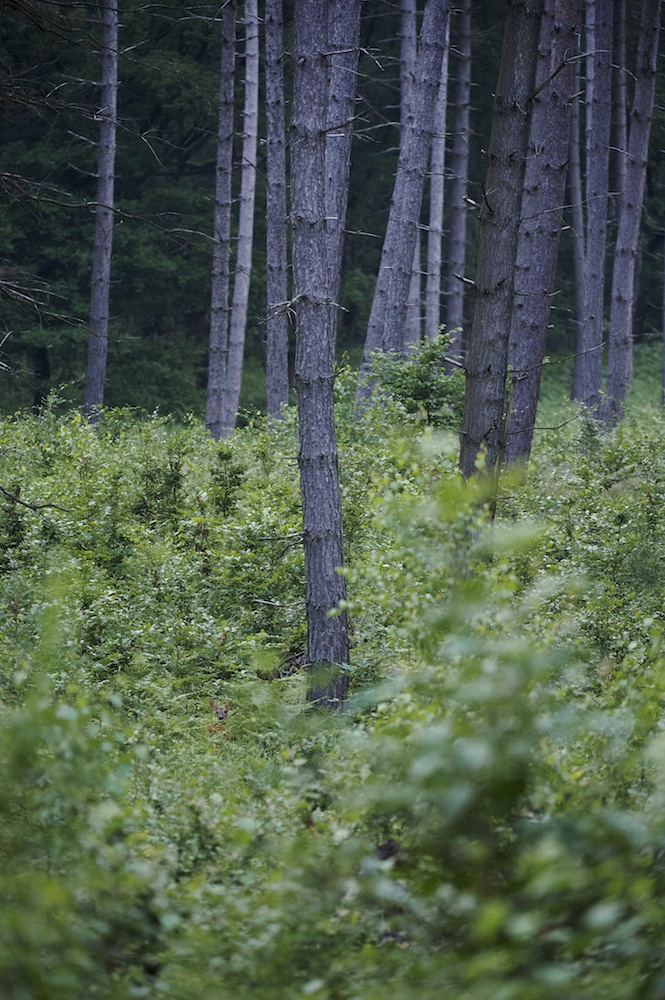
(486, 816)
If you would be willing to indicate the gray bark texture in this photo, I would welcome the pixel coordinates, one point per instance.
(316, 305)
(620, 355)
(243, 268)
(576, 198)
(587, 378)
(540, 225)
(459, 171)
(100, 290)
(487, 357)
(386, 323)
(408, 56)
(436, 203)
(277, 335)
(221, 252)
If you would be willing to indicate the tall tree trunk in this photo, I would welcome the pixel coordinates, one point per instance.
(487, 357)
(327, 640)
(459, 169)
(277, 337)
(587, 378)
(100, 291)
(620, 359)
(576, 198)
(344, 25)
(219, 303)
(386, 322)
(541, 219)
(619, 100)
(243, 270)
(408, 57)
(436, 202)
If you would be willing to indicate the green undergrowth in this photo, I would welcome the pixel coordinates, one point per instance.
(484, 819)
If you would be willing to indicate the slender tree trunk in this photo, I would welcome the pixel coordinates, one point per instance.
(408, 57)
(577, 207)
(277, 344)
(589, 355)
(436, 203)
(459, 169)
(487, 358)
(386, 323)
(240, 303)
(540, 226)
(327, 641)
(100, 292)
(620, 100)
(620, 360)
(344, 25)
(219, 304)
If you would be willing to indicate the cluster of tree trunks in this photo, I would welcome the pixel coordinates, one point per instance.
(534, 152)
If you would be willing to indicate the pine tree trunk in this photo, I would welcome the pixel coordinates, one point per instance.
(100, 292)
(487, 357)
(587, 378)
(277, 342)
(243, 270)
(327, 642)
(408, 57)
(620, 359)
(576, 199)
(459, 169)
(436, 203)
(386, 323)
(219, 303)
(541, 220)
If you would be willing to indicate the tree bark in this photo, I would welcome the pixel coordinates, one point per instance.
(100, 292)
(219, 303)
(408, 58)
(277, 336)
(487, 358)
(436, 203)
(243, 269)
(620, 358)
(386, 323)
(588, 372)
(541, 220)
(459, 169)
(327, 636)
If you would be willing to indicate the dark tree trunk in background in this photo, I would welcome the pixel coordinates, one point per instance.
(100, 292)
(386, 323)
(436, 203)
(327, 637)
(219, 304)
(576, 198)
(487, 356)
(540, 226)
(459, 170)
(243, 270)
(587, 379)
(620, 358)
(277, 337)
(619, 102)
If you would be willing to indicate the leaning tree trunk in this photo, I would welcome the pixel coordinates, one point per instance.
(100, 292)
(221, 243)
(327, 635)
(459, 169)
(541, 220)
(436, 202)
(386, 322)
(487, 357)
(243, 271)
(620, 358)
(277, 335)
(587, 379)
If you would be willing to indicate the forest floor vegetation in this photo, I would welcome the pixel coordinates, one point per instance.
(485, 818)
